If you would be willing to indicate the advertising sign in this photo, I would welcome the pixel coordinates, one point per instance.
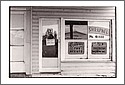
(50, 42)
(99, 48)
(76, 48)
(99, 30)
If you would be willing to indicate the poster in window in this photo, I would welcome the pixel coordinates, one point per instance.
(50, 42)
(76, 48)
(99, 48)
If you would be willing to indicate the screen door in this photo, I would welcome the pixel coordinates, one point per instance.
(49, 45)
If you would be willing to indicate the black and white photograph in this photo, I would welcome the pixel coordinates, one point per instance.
(62, 41)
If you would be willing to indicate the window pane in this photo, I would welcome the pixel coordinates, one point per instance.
(16, 38)
(17, 21)
(79, 31)
(50, 38)
(16, 53)
(76, 29)
(101, 28)
(99, 24)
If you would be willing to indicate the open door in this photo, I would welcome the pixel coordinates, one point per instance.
(49, 45)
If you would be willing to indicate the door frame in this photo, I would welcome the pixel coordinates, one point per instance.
(40, 47)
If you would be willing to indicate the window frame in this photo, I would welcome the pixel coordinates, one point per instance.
(12, 12)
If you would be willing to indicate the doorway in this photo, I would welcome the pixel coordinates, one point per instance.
(49, 41)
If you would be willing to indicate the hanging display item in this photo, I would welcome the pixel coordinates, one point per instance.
(50, 44)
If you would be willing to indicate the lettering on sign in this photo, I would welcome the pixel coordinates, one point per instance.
(99, 30)
(50, 41)
(99, 48)
(76, 48)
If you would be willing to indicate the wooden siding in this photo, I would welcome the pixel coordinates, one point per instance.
(64, 12)
(76, 12)
(84, 69)
(88, 69)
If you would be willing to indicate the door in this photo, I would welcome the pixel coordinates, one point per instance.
(49, 34)
(76, 39)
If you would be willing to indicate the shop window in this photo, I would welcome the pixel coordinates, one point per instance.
(76, 29)
(99, 48)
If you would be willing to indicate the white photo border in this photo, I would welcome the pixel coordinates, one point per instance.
(5, 44)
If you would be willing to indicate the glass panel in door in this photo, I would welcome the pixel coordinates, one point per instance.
(50, 39)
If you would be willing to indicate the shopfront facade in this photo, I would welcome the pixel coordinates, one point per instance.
(43, 37)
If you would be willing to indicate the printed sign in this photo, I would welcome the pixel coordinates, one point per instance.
(50, 41)
(99, 48)
(76, 48)
(99, 30)
(93, 36)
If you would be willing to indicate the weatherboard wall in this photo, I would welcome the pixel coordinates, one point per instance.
(106, 13)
